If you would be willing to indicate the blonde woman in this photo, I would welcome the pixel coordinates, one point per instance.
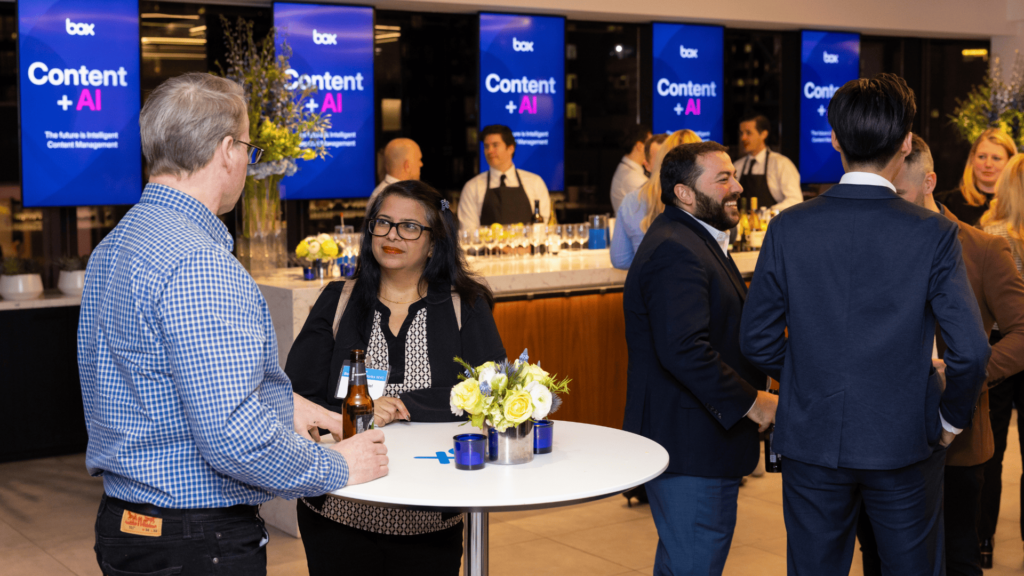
(989, 155)
(642, 206)
(1005, 218)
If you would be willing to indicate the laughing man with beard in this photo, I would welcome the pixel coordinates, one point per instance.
(689, 387)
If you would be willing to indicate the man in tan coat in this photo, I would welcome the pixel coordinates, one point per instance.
(1000, 293)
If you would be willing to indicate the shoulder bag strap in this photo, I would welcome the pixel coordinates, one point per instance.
(346, 293)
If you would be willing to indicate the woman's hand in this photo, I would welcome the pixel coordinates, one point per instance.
(386, 410)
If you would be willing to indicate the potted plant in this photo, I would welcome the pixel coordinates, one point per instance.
(19, 279)
(72, 275)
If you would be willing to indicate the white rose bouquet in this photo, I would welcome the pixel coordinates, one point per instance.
(506, 394)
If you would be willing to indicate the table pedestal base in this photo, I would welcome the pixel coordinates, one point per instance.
(474, 555)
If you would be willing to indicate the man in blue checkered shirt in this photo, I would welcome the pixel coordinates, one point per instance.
(192, 422)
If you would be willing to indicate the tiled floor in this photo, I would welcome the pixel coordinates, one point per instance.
(47, 508)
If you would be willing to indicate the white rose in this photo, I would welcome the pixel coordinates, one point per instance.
(498, 383)
(314, 249)
(323, 238)
(486, 375)
(541, 397)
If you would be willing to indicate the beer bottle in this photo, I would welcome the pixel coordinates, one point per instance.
(357, 416)
(772, 461)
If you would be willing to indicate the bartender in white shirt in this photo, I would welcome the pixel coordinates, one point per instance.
(402, 161)
(503, 194)
(630, 174)
(768, 176)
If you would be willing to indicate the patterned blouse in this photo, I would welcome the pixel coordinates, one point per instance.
(998, 228)
(409, 348)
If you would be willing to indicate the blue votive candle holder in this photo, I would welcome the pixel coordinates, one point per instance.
(470, 451)
(308, 273)
(543, 436)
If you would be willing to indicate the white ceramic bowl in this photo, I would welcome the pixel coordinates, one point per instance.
(21, 287)
(71, 283)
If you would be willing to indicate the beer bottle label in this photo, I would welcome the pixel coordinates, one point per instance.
(363, 422)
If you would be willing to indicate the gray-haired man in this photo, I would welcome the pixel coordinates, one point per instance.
(192, 423)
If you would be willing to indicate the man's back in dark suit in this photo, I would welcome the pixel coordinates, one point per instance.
(859, 277)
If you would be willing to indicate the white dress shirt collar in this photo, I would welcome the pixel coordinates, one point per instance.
(759, 158)
(721, 237)
(388, 178)
(866, 179)
(510, 176)
(632, 165)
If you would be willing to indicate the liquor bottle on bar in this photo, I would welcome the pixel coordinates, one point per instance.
(743, 227)
(357, 417)
(537, 218)
(772, 461)
(755, 221)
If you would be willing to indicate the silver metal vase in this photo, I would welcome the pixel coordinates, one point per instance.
(513, 446)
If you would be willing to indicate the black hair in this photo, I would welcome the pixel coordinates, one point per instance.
(657, 138)
(871, 118)
(639, 133)
(447, 265)
(761, 123)
(681, 166)
(501, 130)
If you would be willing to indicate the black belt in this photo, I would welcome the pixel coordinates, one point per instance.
(193, 514)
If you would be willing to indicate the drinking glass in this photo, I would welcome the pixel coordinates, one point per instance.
(554, 240)
(583, 235)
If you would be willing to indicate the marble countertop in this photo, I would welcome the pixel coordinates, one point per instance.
(583, 270)
(49, 299)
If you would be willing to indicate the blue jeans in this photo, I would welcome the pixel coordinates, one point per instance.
(695, 518)
(223, 541)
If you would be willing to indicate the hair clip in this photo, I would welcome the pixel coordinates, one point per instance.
(444, 205)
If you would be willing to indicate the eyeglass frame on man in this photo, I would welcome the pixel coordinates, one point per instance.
(372, 223)
(259, 151)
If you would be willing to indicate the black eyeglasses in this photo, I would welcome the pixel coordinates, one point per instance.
(255, 152)
(406, 230)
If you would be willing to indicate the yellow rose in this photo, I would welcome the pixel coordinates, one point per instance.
(329, 249)
(518, 407)
(534, 372)
(302, 250)
(466, 396)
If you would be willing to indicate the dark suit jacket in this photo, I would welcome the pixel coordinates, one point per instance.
(688, 386)
(859, 276)
(1000, 294)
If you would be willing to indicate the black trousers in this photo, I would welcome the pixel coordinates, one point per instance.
(961, 501)
(1000, 405)
(222, 541)
(333, 549)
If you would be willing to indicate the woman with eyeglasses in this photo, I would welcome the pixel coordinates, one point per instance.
(410, 282)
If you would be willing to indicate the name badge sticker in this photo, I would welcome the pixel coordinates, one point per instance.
(342, 390)
(141, 525)
(376, 381)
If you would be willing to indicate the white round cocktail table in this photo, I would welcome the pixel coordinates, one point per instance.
(588, 463)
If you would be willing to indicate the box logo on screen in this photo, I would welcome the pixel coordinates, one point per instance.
(520, 87)
(828, 60)
(332, 54)
(324, 38)
(523, 46)
(688, 63)
(80, 29)
(79, 101)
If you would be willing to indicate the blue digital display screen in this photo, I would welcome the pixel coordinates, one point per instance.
(827, 61)
(688, 70)
(79, 102)
(522, 85)
(332, 50)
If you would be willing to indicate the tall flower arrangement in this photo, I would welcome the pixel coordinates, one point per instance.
(280, 125)
(995, 103)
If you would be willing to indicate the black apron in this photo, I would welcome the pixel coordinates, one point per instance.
(505, 205)
(756, 185)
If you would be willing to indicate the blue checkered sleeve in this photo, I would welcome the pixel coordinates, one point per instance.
(217, 357)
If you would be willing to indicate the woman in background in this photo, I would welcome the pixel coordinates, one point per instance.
(1004, 218)
(642, 206)
(989, 155)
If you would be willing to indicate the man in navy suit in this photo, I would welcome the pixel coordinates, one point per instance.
(860, 277)
(689, 388)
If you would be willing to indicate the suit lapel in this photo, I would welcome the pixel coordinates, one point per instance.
(728, 266)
